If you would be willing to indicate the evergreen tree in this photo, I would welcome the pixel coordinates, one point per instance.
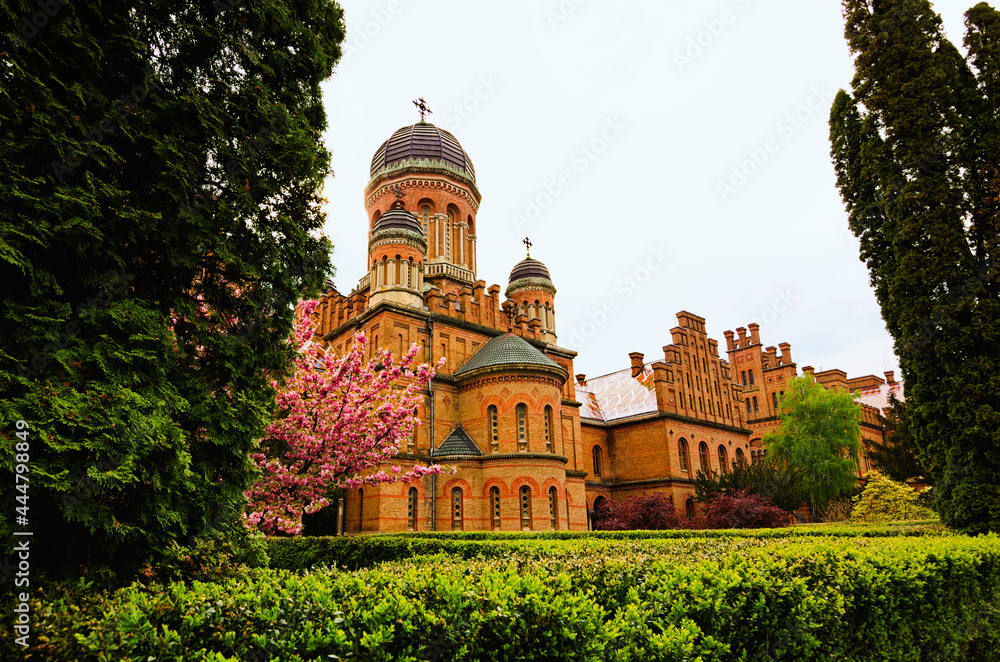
(819, 439)
(915, 147)
(897, 456)
(160, 175)
(779, 483)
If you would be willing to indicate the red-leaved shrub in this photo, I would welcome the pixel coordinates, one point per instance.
(742, 510)
(648, 512)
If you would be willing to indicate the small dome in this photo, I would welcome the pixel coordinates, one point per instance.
(508, 349)
(398, 219)
(422, 141)
(529, 268)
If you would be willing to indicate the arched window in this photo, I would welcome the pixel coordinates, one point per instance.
(522, 428)
(723, 459)
(525, 508)
(774, 398)
(361, 509)
(755, 408)
(425, 214)
(491, 414)
(553, 508)
(741, 458)
(495, 507)
(411, 509)
(689, 508)
(744, 374)
(548, 429)
(456, 509)
(706, 466)
(749, 410)
(598, 461)
(750, 373)
(682, 453)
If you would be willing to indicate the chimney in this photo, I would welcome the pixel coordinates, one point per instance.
(741, 341)
(581, 379)
(890, 376)
(637, 363)
(754, 332)
(786, 353)
(729, 340)
(808, 370)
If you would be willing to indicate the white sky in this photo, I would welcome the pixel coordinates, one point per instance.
(667, 98)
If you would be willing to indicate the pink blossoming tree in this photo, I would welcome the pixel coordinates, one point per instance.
(339, 417)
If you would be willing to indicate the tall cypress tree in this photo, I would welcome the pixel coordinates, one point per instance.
(160, 176)
(915, 150)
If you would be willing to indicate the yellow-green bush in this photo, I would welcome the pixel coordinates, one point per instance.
(885, 500)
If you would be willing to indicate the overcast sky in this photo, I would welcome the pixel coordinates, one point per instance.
(662, 156)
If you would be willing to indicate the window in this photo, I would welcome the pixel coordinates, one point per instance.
(456, 509)
(525, 508)
(495, 507)
(703, 457)
(682, 453)
(491, 413)
(774, 398)
(748, 406)
(744, 374)
(361, 509)
(411, 510)
(751, 377)
(689, 508)
(548, 429)
(741, 458)
(723, 459)
(522, 428)
(755, 408)
(598, 461)
(553, 509)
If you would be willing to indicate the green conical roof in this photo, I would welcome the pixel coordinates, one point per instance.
(507, 349)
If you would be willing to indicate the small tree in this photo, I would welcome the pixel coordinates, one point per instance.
(885, 500)
(742, 510)
(819, 437)
(338, 418)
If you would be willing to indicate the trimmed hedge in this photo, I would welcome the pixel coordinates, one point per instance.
(740, 599)
(365, 551)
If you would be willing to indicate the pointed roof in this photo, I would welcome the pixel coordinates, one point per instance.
(457, 443)
(508, 349)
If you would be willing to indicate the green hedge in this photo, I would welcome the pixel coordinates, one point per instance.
(357, 552)
(733, 599)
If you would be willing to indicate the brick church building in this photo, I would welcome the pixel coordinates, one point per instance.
(536, 446)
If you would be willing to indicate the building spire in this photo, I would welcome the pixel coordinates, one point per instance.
(422, 107)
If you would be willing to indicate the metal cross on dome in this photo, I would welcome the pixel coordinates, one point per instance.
(422, 107)
(398, 192)
(527, 245)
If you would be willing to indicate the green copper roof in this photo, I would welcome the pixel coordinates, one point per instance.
(507, 349)
(457, 443)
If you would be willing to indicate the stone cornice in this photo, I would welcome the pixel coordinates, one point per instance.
(465, 187)
(529, 285)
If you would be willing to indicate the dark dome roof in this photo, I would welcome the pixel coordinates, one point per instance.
(529, 268)
(398, 219)
(422, 141)
(507, 349)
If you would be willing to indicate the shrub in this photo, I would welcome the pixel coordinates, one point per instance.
(652, 512)
(885, 500)
(742, 510)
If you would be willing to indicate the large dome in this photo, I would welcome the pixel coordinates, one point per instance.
(422, 141)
